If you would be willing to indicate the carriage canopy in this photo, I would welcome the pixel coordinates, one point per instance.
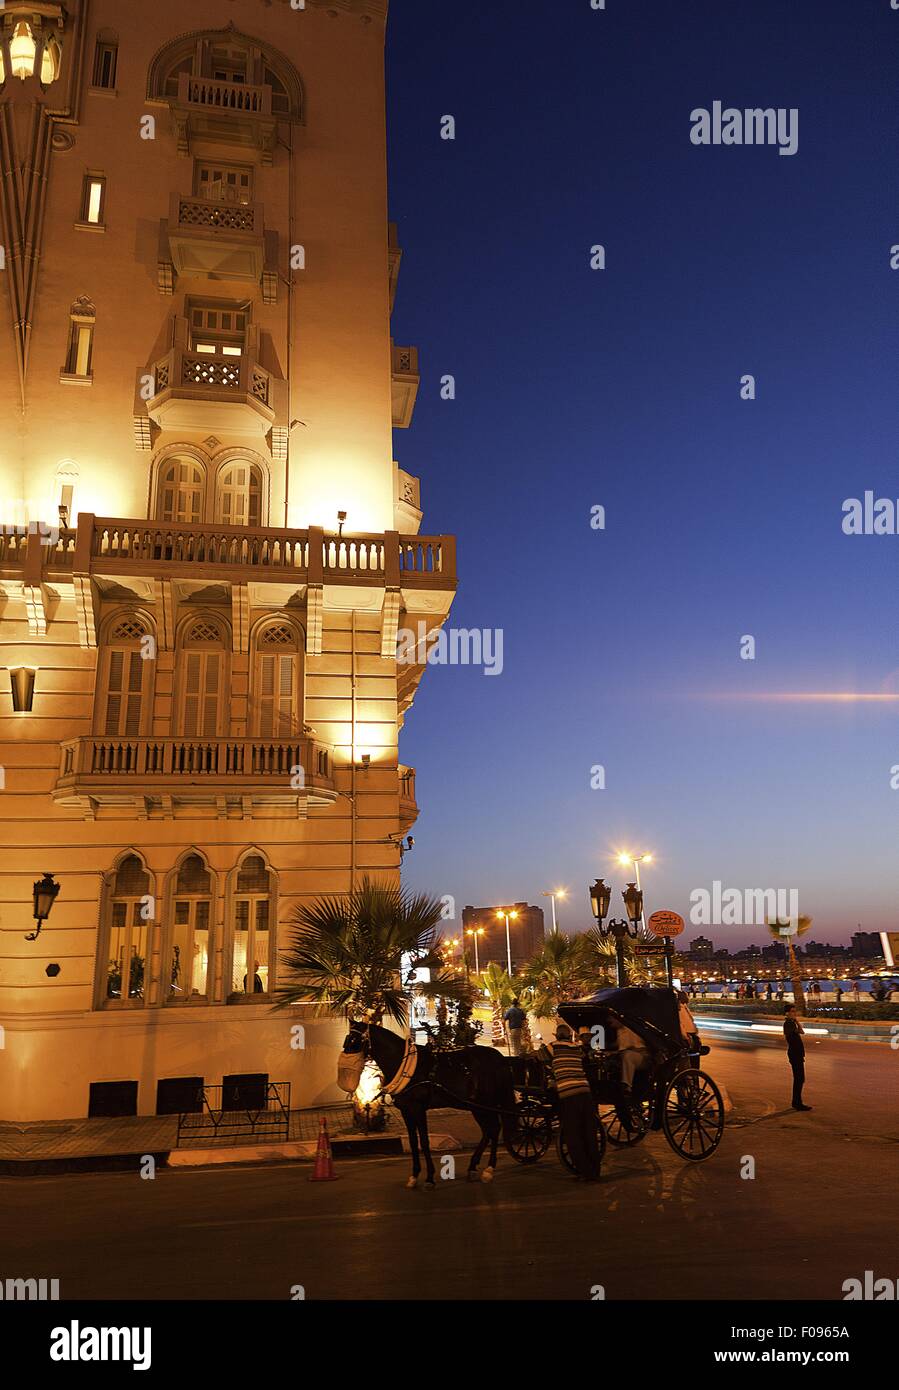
(651, 1013)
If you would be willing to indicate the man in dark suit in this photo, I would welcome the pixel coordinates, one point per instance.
(793, 1032)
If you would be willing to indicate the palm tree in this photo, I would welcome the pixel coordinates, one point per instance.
(496, 981)
(346, 954)
(599, 961)
(556, 973)
(785, 930)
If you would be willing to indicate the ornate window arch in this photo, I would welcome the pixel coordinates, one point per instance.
(230, 56)
(125, 934)
(252, 926)
(277, 687)
(187, 950)
(125, 671)
(203, 684)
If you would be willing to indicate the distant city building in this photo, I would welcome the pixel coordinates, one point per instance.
(701, 948)
(526, 933)
(866, 944)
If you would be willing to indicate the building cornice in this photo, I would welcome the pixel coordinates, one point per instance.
(366, 10)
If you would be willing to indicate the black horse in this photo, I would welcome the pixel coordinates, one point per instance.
(465, 1078)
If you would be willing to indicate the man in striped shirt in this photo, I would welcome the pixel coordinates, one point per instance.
(577, 1108)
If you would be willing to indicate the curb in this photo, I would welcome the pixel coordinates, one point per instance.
(300, 1151)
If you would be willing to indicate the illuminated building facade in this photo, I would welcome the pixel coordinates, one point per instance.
(208, 553)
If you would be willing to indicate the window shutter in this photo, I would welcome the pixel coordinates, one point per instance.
(192, 694)
(211, 694)
(285, 696)
(135, 690)
(114, 692)
(267, 695)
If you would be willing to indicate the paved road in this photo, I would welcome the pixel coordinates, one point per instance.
(817, 1212)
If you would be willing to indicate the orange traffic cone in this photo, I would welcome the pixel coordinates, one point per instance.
(324, 1163)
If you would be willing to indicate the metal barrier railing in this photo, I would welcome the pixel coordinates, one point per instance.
(242, 1110)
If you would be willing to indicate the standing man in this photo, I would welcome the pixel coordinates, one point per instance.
(577, 1108)
(689, 1031)
(793, 1032)
(514, 1017)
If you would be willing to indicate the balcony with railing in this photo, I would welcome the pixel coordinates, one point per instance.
(199, 391)
(207, 237)
(159, 773)
(408, 804)
(116, 548)
(210, 111)
(406, 381)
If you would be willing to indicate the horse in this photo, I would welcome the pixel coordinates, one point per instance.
(466, 1078)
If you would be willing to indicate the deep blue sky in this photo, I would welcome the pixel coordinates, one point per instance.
(621, 388)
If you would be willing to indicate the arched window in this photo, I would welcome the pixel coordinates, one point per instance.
(252, 936)
(126, 933)
(277, 688)
(228, 57)
(189, 946)
(125, 689)
(180, 491)
(203, 682)
(239, 495)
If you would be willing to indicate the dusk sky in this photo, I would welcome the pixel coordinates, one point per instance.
(621, 388)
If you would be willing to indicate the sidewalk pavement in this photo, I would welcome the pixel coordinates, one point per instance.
(43, 1147)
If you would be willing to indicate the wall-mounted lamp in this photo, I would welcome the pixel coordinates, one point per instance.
(22, 50)
(44, 893)
(366, 761)
(341, 518)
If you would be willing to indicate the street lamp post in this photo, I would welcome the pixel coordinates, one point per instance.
(618, 928)
(507, 915)
(636, 859)
(552, 894)
(475, 932)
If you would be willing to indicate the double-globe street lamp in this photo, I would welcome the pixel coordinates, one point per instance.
(618, 928)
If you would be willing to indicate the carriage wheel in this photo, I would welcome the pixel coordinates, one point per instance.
(562, 1148)
(693, 1115)
(623, 1135)
(533, 1132)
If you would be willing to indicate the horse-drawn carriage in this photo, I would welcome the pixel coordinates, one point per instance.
(670, 1093)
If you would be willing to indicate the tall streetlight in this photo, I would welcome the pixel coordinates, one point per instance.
(475, 932)
(502, 913)
(553, 894)
(625, 857)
